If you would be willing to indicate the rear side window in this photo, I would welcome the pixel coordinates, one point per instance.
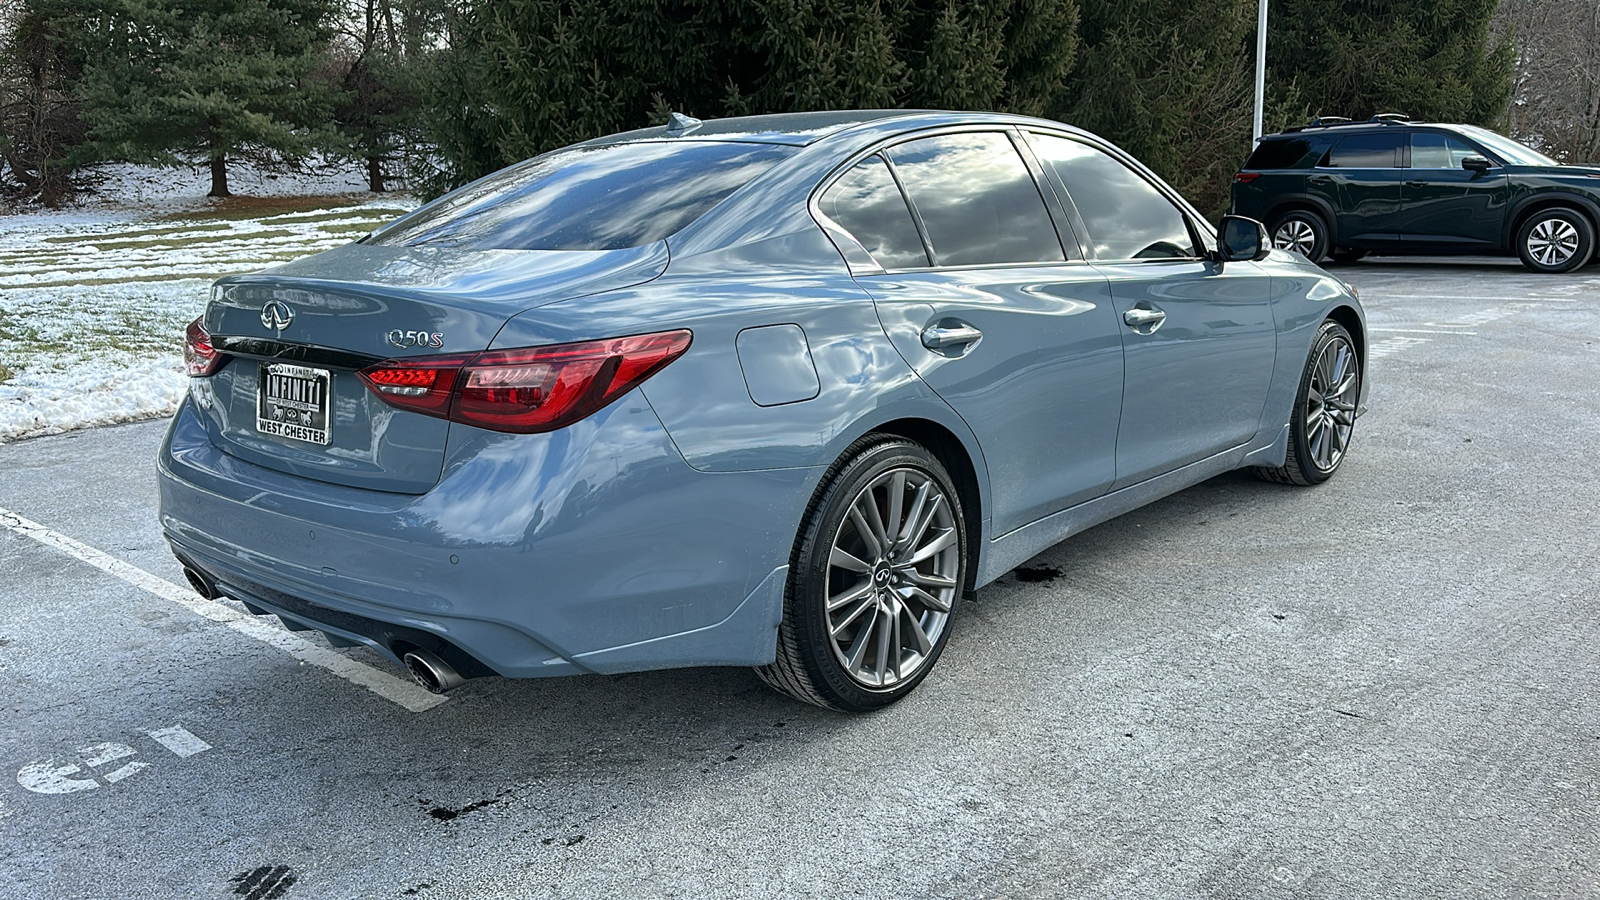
(1431, 150)
(1366, 151)
(1282, 154)
(977, 199)
(590, 198)
(866, 202)
(1127, 217)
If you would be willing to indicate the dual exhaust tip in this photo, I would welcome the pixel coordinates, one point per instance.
(426, 668)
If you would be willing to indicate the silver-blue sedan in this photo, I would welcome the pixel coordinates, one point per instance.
(774, 391)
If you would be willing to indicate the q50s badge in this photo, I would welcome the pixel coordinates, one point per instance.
(403, 339)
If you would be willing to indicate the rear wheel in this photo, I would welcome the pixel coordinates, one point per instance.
(1324, 410)
(1555, 240)
(1302, 231)
(873, 582)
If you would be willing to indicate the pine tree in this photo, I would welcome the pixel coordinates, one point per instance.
(179, 82)
(1362, 57)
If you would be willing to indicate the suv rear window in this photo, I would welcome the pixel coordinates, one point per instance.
(588, 198)
(1366, 151)
(1283, 154)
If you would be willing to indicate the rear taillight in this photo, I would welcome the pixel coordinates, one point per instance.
(1245, 177)
(528, 390)
(199, 357)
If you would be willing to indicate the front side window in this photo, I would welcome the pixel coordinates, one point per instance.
(1126, 216)
(1366, 151)
(977, 200)
(866, 202)
(1507, 149)
(588, 198)
(1430, 150)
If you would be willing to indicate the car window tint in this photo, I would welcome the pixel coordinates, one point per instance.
(1126, 216)
(866, 202)
(1365, 151)
(588, 198)
(1430, 150)
(977, 199)
(1280, 154)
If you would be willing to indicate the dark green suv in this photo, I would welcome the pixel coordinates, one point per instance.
(1345, 189)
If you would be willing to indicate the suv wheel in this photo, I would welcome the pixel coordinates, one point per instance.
(1303, 232)
(1555, 240)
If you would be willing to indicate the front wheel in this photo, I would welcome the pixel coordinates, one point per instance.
(875, 576)
(1555, 240)
(1324, 412)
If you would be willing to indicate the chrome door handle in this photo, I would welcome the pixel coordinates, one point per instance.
(1139, 318)
(1320, 179)
(938, 337)
(1416, 184)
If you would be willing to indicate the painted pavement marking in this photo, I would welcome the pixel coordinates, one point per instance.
(396, 690)
(180, 741)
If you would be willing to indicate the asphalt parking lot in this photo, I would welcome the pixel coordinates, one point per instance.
(1386, 686)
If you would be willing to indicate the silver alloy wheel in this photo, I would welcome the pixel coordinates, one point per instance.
(891, 580)
(1331, 403)
(1296, 235)
(1552, 241)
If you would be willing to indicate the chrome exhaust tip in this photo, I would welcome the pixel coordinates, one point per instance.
(202, 585)
(432, 672)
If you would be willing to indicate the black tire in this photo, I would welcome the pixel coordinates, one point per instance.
(1322, 421)
(1302, 231)
(812, 663)
(1555, 240)
(1346, 255)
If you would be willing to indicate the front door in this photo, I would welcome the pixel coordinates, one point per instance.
(1199, 340)
(1447, 207)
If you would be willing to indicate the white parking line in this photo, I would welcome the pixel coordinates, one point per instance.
(179, 740)
(411, 696)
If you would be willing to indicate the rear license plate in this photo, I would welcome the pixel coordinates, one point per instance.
(292, 402)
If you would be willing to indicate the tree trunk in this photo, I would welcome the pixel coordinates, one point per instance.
(375, 174)
(219, 177)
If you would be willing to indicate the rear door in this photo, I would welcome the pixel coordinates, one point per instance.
(1199, 339)
(982, 300)
(1445, 206)
(1360, 178)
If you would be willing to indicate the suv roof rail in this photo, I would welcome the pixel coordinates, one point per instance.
(1347, 122)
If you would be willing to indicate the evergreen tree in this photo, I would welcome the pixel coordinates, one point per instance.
(1362, 57)
(376, 72)
(201, 81)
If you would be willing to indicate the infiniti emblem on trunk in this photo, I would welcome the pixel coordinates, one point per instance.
(276, 315)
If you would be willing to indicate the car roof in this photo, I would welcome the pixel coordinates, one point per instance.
(1338, 128)
(795, 129)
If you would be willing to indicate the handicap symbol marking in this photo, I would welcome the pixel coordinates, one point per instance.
(46, 777)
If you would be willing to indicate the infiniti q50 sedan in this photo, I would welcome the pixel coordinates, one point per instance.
(773, 392)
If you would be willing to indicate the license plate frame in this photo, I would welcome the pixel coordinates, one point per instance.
(292, 402)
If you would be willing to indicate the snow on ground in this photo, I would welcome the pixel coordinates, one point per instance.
(94, 298)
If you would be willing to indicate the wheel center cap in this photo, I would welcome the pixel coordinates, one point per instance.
(881, 575)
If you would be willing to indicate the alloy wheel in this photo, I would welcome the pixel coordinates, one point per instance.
(891, 581)
(1331, 403)
(1552, 241)
(1296, 235)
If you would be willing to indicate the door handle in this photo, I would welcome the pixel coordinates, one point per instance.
(1416, 184)
(1139, 318)
(1320, 179)
(939, 337)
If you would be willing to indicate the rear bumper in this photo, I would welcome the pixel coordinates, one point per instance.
(592, 549)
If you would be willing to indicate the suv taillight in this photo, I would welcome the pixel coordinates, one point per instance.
(1245, 177)
(525, 391)
(199, 357)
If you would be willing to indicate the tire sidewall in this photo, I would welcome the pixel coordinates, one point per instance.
(806, 601)
(1303, 458)
(1586, 239)
(1319, 228)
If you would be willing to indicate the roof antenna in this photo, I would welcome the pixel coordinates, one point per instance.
(682, 124)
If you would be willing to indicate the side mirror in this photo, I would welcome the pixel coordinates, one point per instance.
(1476, 164)
(1242, 238)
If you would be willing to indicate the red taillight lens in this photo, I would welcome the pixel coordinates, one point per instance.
(529, 390)
(1245, 177)
(199, 357)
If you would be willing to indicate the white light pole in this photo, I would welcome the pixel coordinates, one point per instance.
(1261, 70)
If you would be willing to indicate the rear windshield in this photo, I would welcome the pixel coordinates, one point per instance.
(1281, 154)
(589, 198)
